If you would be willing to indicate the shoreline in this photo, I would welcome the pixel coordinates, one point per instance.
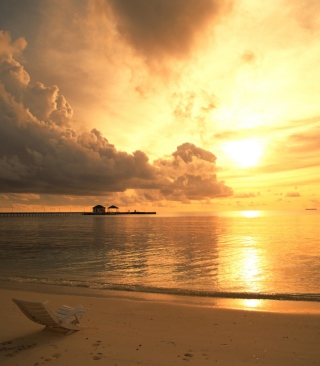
(264, 305)
(152, 329)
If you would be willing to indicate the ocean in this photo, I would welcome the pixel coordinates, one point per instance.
(240, 254)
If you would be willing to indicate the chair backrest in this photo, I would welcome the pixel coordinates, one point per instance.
(77, 313)
(38, 312)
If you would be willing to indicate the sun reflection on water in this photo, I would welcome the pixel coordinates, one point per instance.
(252, 303)
(247, 269)
(251, 213)
(250, 266)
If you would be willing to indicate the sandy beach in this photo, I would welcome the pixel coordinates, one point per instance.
(142, 329)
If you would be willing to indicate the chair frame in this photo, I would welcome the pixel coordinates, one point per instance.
(65, 318)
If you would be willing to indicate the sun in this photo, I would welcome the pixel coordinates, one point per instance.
(245, 153)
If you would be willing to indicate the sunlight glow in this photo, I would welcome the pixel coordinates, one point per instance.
(250, 213)
(252, 303)
(250, 265)
(246, 153)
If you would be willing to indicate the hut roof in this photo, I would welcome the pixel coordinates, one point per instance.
(98, 206)
(113, 206)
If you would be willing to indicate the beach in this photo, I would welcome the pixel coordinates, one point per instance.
(150, 329)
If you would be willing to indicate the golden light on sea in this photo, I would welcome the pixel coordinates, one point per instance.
(250, 213)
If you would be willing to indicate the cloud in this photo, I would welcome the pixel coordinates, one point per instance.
(187, 152)
(245, 195)
(315, 202)
(191, 172)
(299, 150)
(13, 75)
(306, 141)
(194, 109)
(41, 152)
(248, 57)
(162, 28)
(306, 13)
(293, 194)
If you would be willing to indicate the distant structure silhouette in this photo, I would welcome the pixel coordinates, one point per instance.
(99, 210)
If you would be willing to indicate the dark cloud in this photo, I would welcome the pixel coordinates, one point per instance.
(157, 28)
(41, 152)
(17, 16)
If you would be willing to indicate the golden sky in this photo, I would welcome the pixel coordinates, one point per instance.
(159, 104)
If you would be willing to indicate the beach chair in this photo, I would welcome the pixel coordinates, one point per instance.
(64, 319)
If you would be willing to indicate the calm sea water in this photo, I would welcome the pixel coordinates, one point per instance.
(251, 254)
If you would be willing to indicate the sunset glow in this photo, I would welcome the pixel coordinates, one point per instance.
(159, 105)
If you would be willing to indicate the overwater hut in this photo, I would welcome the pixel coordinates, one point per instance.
(113, 208)
(98, 210)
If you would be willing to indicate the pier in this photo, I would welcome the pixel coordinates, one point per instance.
(97, 210)
(46, 214)
(27, 214)
(120, 213)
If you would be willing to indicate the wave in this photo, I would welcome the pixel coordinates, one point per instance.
(311, 297)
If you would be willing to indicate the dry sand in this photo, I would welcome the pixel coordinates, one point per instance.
(141, 329)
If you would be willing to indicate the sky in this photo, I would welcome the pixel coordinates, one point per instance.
(162, 105)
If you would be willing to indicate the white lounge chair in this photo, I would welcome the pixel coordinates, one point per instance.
(64, 318)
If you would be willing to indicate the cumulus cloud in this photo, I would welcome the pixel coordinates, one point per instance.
(13, 75)
(160, 28)
(42, 153)
(191, 172)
